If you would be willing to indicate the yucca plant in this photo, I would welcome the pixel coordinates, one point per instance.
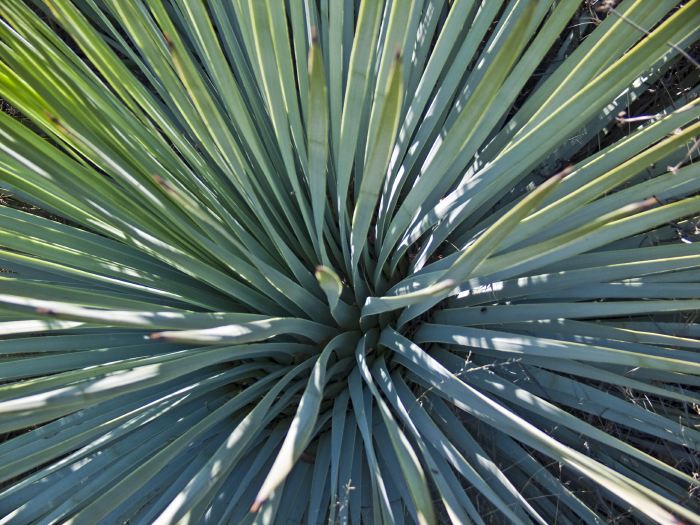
(330, 261)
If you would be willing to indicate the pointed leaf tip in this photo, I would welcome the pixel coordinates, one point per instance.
(330, 283)
(169, 43)
(45, 311)
(568, 170)
(649, 203)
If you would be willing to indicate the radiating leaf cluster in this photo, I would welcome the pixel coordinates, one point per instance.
(349, 261)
